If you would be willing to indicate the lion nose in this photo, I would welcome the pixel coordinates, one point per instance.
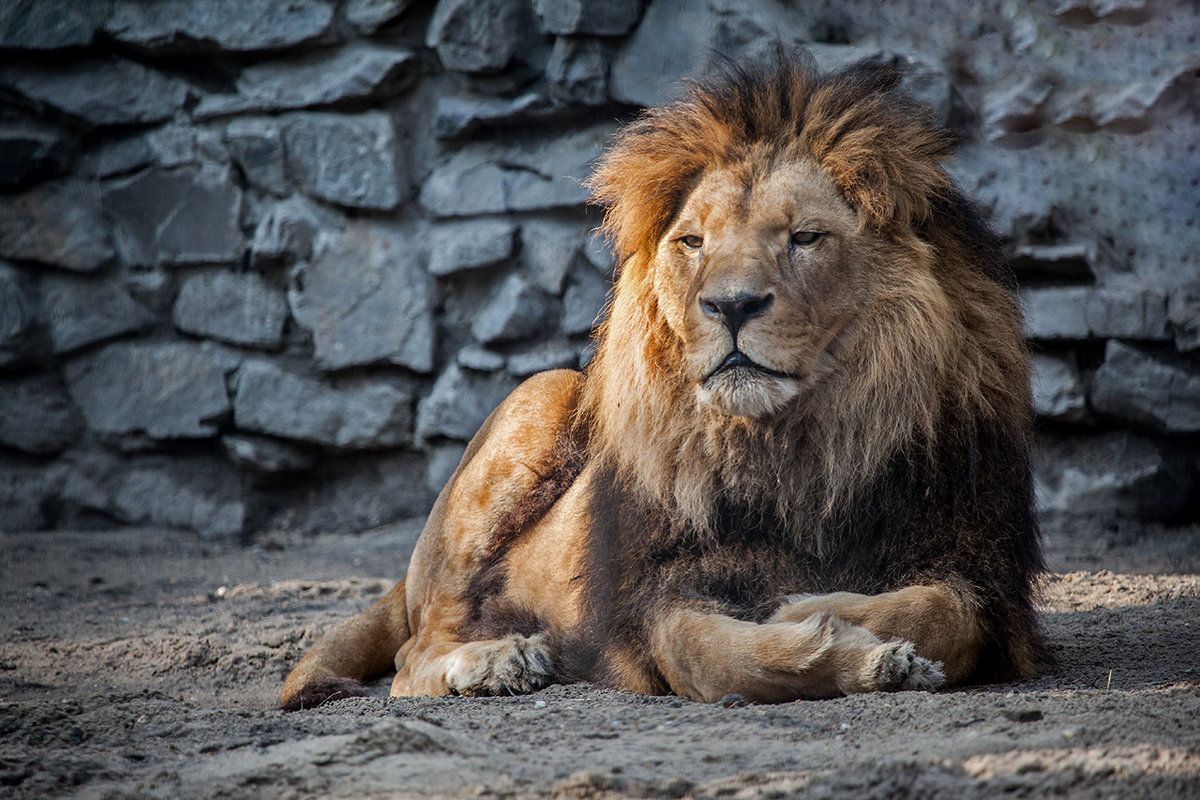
(736, 310)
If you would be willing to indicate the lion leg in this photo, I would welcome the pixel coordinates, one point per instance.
(706, 656)
(941, 622)
(513, 664)
(357, 649)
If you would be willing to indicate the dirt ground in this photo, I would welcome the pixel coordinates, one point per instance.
(146, 663)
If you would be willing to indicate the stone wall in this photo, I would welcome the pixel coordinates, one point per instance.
(269, 264)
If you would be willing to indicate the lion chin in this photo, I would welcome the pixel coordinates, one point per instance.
(747, 391)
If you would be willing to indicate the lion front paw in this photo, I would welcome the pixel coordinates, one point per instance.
(512, 665)
(899, 668)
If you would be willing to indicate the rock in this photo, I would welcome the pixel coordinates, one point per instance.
(358, 72)
(178, 216)
(36, 415)
(595, 17)
(1058, 391)
(31, 152)
(1072, 260)
(583, 301)
(82, 311)
(256, 145)
(1183, 311)
(20, 340)
(349, 414)
(264, 454)
(366, 299)
(238, 25)
(479, 358)
(577, 71)
(289, 230)
(599, 253)
(548, 249)
(28, 494)
(169, 146)
(116, 92)
(1135, 385)
(1115, 474)
(348, 160)
(55, 223)
(477, 35)
(458, 115)
(486, 178)
(368, 16)
(1015, 109)
(49, 24)
(444, 458)
(516, 310)
(544, 356)
(352, 494)
(237, 308)
(460, 246)
(1084, 312)
(170, 390)
(459, 403)
(671, 43)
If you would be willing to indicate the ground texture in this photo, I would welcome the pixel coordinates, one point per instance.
(142, 663)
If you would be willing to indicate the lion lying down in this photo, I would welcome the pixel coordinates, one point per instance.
(798, 466)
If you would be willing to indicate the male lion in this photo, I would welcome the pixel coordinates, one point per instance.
(798, 466)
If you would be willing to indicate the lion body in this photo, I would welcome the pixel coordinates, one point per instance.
(836, 521)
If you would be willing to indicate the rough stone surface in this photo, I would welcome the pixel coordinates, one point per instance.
(1183, 310)
(577, 71)
(517, 310)
(460, 246)
(597, 17)
(1058, 390)
(367, 299)
(477, 35)
(116, 92)
(351, 161)
(351, 414)
(236, 308)
(256, 145)
(583, 301)
(177, 217)
(28, 495)
(19, 331)
(55, 223)
(673, 41)
(31, 152)
(1083, 312)
(357, 72)
(231, 24)
(458, 115)
(162, 390)
(82, 311)
(548, 249)
(368, 16)
(264, 454)
(290, 230)
(479, 358)
(36, 415)
(459, 403)
(1159, 392)
(544, 356)
(49, 24)
(443, 460)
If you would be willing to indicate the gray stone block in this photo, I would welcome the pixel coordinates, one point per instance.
(20, 334)
(444, 458)
(257, 147)
(1116, 474)
(36, 415)
(1183, 310)
(289, 230)
(477, 35)
(235, 308)
(459, 403)
(595, 17)
(349, 414)
(115, 92)
(458, 115)
(486, 178)
(1085, 312)
(577, 71)
(169, 390)
(672, 42)
(229, 24)
(28, 494)
(367, 299)
(55, 223)
(172, 145)
(1058, 390)
(50, 24)
(549, 248)
(515, 311)
(479, 358)
(1158, 392)
(348, 160)
(179, 216)
(460, 246)
(368, 16)
(541, 357)
(358, 72)
(80, 311)
(265, 454)
(583, 301)
(30, 152)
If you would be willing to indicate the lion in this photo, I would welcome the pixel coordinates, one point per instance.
(797, 467)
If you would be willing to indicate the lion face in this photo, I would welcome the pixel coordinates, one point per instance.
(758, 276)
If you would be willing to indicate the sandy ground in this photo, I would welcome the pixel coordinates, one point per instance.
(145, 663)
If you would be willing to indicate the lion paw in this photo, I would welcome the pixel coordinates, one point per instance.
(899, 668)
(512, 665)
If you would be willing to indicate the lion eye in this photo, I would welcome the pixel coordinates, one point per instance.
(691, 241)
(806, 238)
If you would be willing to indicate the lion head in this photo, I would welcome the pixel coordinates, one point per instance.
(802, 292)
